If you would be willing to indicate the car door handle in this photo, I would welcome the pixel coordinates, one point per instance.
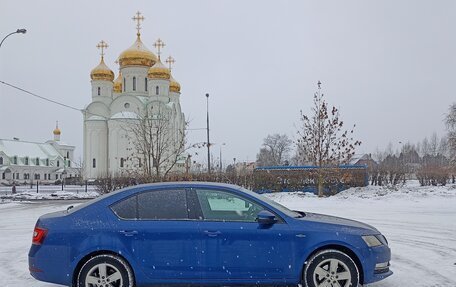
(212, 233)
(129, 232)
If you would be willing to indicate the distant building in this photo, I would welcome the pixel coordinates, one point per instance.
(143, 83)
(26, 162)
(364, 159)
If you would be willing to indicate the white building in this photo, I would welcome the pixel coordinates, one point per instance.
(143, 83)
(25, 162)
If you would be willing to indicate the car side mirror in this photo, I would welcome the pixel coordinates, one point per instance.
(265, 217)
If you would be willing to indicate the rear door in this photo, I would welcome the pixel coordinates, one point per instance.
(163, 239)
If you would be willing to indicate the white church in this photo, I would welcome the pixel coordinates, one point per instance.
(143, 85)
(25, 162)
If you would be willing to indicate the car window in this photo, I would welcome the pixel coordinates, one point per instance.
(224, 206)
(126, 208)
(162, 205)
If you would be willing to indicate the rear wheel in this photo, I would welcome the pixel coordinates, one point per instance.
(105, 270)
(331, 268)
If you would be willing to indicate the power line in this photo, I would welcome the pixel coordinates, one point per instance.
(40, 97)
(65, 105)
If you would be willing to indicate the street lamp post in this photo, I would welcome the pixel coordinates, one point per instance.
(18, 31)
(208, 142)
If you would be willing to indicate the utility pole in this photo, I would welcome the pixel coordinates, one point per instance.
(208, 142)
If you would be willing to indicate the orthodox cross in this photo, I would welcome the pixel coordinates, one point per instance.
(138, 18)
(159, 44)
(170, 61)
(102, 45)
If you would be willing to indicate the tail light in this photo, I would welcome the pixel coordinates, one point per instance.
(38, 235)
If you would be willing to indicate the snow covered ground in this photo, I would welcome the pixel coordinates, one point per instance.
(47, 192)
(420, 224)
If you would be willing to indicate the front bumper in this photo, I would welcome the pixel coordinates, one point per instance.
(378, 267)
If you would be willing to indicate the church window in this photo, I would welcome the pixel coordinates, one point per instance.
(3, 175)
(140, 163)
(124, 86)
(145, 84)
(94, 163)
(47, 162)
(68, 155)
(26, 160)
(122, 160)
(14, 176)
(99, 91)
(134, 83)
(17, 175)
(37, 161)
(58, 163)
(56, 176)
(1, 160)
(45, 176)
(127, 105)
(157, 90)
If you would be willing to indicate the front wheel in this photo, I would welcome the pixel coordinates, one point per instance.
(331, 268)
(105, 270)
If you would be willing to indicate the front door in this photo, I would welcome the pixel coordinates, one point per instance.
(235, 247)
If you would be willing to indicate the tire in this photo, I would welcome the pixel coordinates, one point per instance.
(331, 268)
(105, 270)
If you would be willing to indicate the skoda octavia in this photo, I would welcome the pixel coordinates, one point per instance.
(202, 234)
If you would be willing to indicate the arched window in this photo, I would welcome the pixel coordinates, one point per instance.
(98, 90)
(1, 160)
(26, 161)
(37, 161)
(122, 162)
(58, 163)
(145, 84)
(94, 163)
(157, 89)
(124, 86)
(134, 83)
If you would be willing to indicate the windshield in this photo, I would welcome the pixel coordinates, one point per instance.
(274, 204)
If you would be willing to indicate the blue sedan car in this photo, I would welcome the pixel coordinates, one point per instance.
(202, 234)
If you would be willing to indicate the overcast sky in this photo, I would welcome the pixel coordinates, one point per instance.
(389, 66)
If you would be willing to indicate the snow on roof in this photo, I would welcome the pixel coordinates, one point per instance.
(125, 115)
(28, 149)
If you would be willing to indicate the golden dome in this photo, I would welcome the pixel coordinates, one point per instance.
(174, 86)
(159, 71)
(137, 55)
(102, 72)
(117, 88)
(57, 131)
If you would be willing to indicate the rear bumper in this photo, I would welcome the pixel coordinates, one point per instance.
(48, 264)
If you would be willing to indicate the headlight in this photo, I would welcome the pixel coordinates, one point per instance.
(371, 240)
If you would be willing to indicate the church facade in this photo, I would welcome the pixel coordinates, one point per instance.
(143, 92)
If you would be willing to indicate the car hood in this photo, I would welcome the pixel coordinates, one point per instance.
(339, 221)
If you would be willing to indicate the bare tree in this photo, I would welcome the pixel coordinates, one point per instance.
(450, 122)
(321, 139)
(157, 142)
(274, 151)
